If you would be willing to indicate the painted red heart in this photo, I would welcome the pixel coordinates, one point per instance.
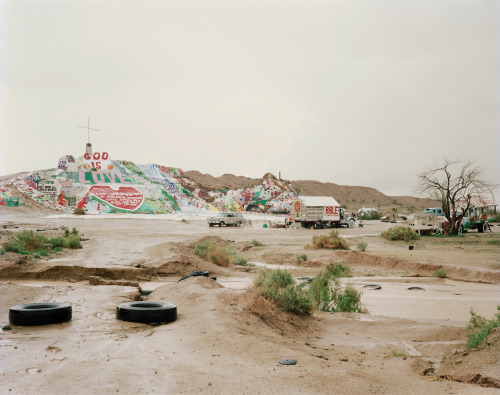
(125, 198)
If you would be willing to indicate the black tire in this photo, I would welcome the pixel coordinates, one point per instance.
(480, 228)
(213, 278)
(211, 225)
(222, 223)
(147, 312)
(200, 273)
(31, 314)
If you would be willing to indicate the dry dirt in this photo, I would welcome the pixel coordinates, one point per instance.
(228, 339)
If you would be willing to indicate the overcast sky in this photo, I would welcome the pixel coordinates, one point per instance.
(352, 92)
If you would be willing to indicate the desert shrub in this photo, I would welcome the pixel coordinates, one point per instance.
(73, 241)
(26, 241)
(256, 243)
(301, 258)
(65, 230)
(58, 241)
(331, 241)
(222, 256)
(479, 327)
(370, 216)
(29, 242)
(441, 273)
(279, 286)
(362, 246)
(400, 233)
(330, 295)
(79, 211)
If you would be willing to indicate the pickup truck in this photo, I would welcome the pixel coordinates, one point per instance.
(226, 219)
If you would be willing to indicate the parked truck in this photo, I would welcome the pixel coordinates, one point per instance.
(319, 212)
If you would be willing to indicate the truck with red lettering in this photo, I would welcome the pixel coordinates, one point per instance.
(319, 212)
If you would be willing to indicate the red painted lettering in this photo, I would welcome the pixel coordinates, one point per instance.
(97, 156)
(105, 155)
(87, 156)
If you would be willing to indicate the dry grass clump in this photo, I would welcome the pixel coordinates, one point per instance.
(220, 255)
(331, 241)
(79, 211)
(400, 233)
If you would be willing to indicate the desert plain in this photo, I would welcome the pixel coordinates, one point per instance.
(228, 339)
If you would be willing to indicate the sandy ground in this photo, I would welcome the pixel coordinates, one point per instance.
(227, 339)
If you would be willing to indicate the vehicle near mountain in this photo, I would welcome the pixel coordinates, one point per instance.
(226, 219)
(319, 212)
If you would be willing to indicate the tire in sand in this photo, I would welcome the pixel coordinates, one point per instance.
(32, 314)
(287, 361)
(147, 312)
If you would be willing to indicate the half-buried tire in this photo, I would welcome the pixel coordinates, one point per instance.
(32, 314)
(147, 312)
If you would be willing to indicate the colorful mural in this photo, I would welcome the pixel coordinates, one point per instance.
(7, 199)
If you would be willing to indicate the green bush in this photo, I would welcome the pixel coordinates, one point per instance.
(256, 243)
(441, 273)
(58, 241)
(372, 215)
(301, 258)
(30, 242)
(279, 286)
(331, 241)
(73, 241)
(479, 327)
(329, 294)
(362, 246)
(400, 233)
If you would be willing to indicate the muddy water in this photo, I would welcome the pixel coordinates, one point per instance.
(441, 301)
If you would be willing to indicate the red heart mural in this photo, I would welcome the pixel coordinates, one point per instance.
(125, 198)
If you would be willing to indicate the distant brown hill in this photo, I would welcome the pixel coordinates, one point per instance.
(351, 197)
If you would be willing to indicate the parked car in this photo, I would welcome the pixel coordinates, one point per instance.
(226, 219)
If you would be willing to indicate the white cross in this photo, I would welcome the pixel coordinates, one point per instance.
(88, 129)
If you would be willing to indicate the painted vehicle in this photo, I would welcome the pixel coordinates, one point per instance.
(477, 217)
(226, 219)
(438, 211)
(319, 212)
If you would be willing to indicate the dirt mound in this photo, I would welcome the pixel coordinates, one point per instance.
(229, 181)
(353, 258)
(465, 366)
(182, 265)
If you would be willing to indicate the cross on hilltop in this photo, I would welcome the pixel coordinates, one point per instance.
(88, 129)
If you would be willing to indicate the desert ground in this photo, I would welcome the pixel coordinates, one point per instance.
(227, 338)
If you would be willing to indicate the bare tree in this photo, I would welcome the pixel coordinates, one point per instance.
(452, 182)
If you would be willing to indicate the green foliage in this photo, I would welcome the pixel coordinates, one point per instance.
(25, 242)
(372, 215)
(29, 242)
(441, 273)
(400, 233)
(329, 294)
(279, 286)
(331, 241)
(301, 258)
(479, 327)
(256, 243)
(73, 241)
(362, 246)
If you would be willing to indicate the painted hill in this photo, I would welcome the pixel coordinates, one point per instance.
(118, 186)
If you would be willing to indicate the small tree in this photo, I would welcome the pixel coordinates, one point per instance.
(452, 182)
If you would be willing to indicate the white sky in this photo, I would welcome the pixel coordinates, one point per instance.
(352, 92)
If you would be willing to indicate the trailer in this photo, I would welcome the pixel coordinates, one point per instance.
(319, 212)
